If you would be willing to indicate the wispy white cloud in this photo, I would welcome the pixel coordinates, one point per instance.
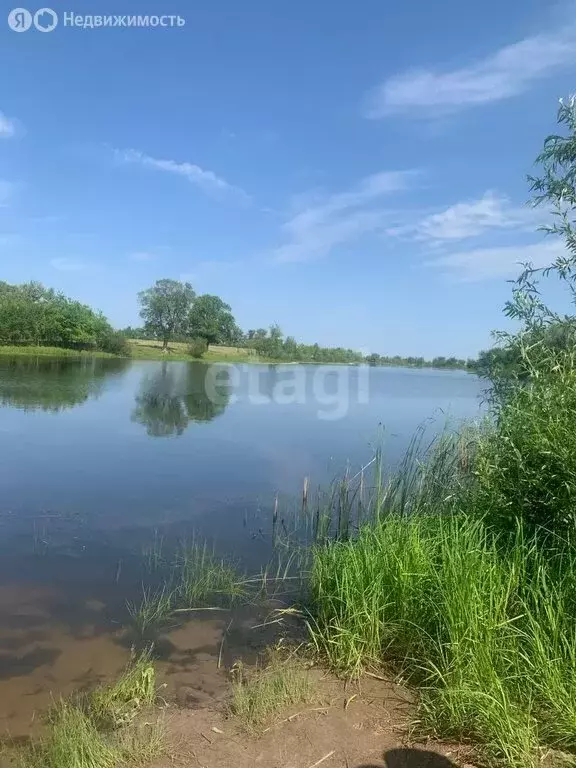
(503, 74)
(7, 126)
(63, 264)
(339, 218)
(208, 181)
(471, 218)
(499, 262)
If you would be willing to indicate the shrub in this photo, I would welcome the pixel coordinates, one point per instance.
(114, 342)
(526, 467)
(197, 347)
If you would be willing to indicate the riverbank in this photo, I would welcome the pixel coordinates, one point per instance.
(458, 575)
(139, 350)
(152, 350)
(178, 352)
(228, 683)
(338, 724)
(385, 578)
(21, 351)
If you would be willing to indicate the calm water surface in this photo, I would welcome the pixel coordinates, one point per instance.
(154, 444)
(97, 457)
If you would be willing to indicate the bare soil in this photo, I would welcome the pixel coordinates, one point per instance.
(347, 726)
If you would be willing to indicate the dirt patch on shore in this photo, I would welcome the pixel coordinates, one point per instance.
(359, 726)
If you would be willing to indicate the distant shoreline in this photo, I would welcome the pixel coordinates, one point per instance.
(152, 350)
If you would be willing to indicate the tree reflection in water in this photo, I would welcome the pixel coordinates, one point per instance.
(55, 384)
(177, 394)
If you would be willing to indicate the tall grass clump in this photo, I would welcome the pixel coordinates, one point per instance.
(193, 579)
(432, 472)
(461, 577)
(484, 627)
(526, 467)
(257, 695)
(201, 577)
(119, 703)
(72, 741)
(100, 729)
(152, 613)
(468, 594)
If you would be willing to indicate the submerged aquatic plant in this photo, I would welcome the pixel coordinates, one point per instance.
(152, 614)
(200, 577)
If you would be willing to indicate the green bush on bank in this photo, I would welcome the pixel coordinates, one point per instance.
(32, 315)
(197, 347)
(526, 466)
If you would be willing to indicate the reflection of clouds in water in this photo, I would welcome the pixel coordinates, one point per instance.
(176, 395)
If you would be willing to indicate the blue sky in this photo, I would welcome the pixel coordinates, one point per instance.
(352, 171)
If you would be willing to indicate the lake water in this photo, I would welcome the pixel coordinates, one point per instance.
(99, 457)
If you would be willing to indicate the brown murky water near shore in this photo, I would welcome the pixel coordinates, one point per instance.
(64, 628)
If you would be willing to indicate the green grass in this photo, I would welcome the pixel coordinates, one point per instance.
(202, 578)
(481, 622)
(100, 730)
(458, 573)
(142, 349)
(194, 579)
(118, 704)
(258, 695)
(153, 553)
(72, 741)
(152, 613)
(178, 351)
(20, 351)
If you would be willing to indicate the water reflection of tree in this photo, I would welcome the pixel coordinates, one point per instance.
(178, 394)
(54, 384)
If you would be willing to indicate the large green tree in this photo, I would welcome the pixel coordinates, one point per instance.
(211, 318)
(165, 308)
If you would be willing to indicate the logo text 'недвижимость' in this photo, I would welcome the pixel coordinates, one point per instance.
(46, 20)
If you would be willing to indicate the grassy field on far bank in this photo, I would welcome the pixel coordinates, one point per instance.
(33, 351)
(140, 350)
(149, 349)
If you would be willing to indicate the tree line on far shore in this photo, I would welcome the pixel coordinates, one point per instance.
(32, 315)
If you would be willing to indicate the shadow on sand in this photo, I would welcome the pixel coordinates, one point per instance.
(413, 758)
